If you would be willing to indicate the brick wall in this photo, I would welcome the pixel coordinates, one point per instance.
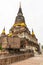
(13, 58)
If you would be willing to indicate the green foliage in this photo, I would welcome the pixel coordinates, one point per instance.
(0, 47)
(42, 46)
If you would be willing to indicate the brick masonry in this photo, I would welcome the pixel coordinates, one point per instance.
(13, 58)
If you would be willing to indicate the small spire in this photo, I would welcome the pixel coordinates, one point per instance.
(20, 4)
(3, 32)
(32, 32)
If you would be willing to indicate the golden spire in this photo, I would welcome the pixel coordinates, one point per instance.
(33, 32)
(3, 32)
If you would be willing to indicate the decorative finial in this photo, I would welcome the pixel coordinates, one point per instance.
(20, 10)
(20, 4)
(32, 32)
(3, 31)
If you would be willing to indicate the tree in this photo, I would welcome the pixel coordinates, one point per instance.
(42, 46)
(0, 47)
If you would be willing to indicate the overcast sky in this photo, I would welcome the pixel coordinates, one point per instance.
(32, 11)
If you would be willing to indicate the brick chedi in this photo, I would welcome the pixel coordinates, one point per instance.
(19, 35)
